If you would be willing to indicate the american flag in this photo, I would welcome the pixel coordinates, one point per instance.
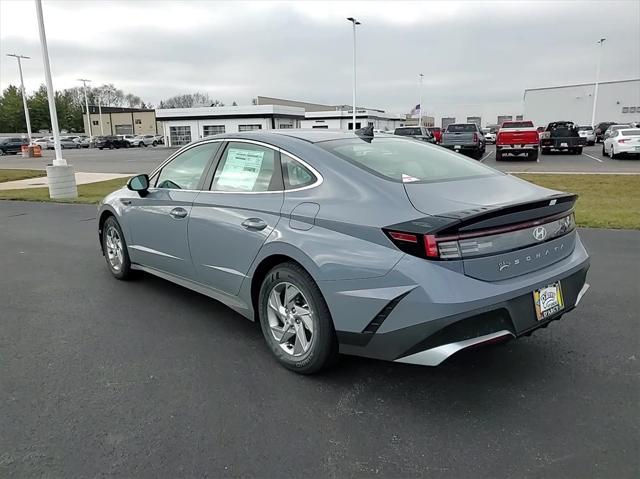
(415, 110)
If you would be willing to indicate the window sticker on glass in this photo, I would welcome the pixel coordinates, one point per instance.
(241, 169)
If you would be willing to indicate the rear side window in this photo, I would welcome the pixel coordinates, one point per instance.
(630, 132)
(295, 174)
(464, 128)
(406, 161)
(247, 168)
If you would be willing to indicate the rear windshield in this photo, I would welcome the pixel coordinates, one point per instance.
(630, 132)
(406, 161)
(408, 131)
(464, 128)
(432, 129)
(518, 124)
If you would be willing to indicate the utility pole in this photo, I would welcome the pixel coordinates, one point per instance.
(355, 22)
(420, 114)
(60, 176)
(595, 91)
(24, 93)
(86, 104)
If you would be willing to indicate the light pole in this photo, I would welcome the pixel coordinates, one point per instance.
(420, 114)
(355, 22)
(86, 104)
(24, 93)
(595, 91)
(60, 176)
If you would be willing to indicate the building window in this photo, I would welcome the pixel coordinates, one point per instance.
(326, 127)
(370, 123)
(138, 121)
(357, 125)
(95, 123)
(249, 127)
(180, 135)
(285, 125)
(209, 130)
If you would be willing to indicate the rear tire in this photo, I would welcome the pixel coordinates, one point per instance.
(114, 248)
(533, 156)
(279, 319)
(544, 151)
(140, 145)
(155, 143)
(578, 151)
(498, 155)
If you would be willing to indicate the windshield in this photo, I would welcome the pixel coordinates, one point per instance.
(518, 124)
(408, 131)
(461, 128)
(408, 161)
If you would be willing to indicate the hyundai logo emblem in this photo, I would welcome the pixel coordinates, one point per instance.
(540, 233)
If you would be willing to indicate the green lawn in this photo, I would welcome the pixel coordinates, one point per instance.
(91, 193)
(605, 201)
(13, 175)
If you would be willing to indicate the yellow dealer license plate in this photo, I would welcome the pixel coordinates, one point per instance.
(548, 301)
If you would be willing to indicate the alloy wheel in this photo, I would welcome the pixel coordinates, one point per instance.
(290, 319)
(113, 244)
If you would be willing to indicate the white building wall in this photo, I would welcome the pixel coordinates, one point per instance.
(575, 103)
(343, 123)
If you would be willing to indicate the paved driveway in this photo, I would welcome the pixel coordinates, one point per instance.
(143, 160)
(146, 379)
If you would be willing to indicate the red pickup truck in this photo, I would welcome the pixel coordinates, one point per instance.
(516, 138)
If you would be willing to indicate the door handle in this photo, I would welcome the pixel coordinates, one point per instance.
(254, 224)
(125, 202)
(178, 213)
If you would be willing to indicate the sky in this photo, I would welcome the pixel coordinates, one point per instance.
(472, 54)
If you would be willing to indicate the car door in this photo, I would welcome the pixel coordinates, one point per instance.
(158, 221)
(230, 222)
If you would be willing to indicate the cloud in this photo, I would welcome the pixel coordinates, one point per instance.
(471, 53)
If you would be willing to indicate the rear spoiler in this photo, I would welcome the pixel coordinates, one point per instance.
(486, 217)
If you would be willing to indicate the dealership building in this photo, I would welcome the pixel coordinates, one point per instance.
(110, 120)
(618, 101)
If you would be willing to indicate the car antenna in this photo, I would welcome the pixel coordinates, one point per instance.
(365, 133)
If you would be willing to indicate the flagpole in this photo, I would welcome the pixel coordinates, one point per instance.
(420, 104)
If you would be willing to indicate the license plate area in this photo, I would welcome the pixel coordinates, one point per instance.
(456, 147)
(548, 301)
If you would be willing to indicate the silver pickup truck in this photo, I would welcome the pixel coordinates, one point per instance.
(464, 138)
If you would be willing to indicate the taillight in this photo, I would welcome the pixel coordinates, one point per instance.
(430, 246)
(399, 236)
(475, 137)
(623, 140)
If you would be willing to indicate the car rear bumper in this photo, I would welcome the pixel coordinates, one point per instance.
(517, 148)
(461, 147)
(562, 143)
(426, 324)
(627, 149)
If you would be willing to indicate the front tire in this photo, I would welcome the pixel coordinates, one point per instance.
(545, 151)
(114, 248)
(295, 320)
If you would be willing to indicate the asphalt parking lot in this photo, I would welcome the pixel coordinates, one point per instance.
(141, 160)
(146, 379)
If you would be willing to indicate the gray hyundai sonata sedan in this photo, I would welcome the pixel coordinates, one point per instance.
(336, 242)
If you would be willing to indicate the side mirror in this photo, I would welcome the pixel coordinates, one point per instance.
(139, 183)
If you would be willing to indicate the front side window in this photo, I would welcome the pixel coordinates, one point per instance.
(247, 168)
(408, 131)
(185, 170)
(406, 161)
(295, 174)
(249, 127)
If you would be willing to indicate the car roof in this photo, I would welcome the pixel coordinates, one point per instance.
(309, 136)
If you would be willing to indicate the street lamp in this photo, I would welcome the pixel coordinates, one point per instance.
(86, 104)
(354, 22)
(420, 111)
(595, 92)
(24, 94)
(60, 176)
